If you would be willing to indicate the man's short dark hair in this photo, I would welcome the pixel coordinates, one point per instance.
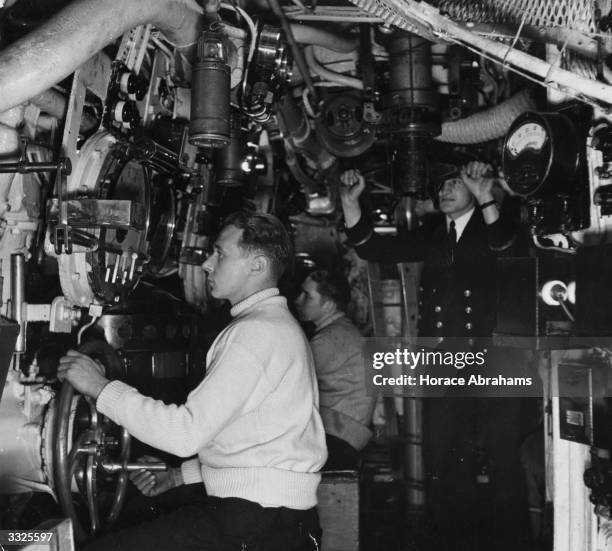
(333, 286)
(264, 234)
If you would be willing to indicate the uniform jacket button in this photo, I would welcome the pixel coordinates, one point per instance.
(439, 324)
(467, 293)
(468, 310)
(468, 326)
(438, 309)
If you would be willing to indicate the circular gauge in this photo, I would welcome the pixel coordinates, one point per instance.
(530, 135)
(540, 154)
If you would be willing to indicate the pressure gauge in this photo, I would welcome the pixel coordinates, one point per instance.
(540, 154)
(529, 135)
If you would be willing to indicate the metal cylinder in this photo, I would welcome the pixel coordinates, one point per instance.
(155, 155)
(18, 297)
(210, 92)
(210, 107)
(410, 79)
(411, 111)
(228, 160)
(410, 174)
(413, 458)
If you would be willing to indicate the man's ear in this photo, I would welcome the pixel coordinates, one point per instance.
(259, 264)
(328, 306)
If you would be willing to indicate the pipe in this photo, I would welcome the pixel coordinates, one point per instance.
(54, 103)
(345, 44)
(9, 142)
(51, 102)
(10, 123)
(297, 130)
(490, 124)
(295, 50)
(18, 298)
(35, 62)
(328, 75)
(421, 13)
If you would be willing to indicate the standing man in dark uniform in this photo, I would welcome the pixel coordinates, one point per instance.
(467, 445)
(458, 280)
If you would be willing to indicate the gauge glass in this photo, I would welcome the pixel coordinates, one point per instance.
(530, 135)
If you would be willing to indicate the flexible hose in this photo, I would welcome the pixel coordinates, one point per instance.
(50, 53)
(490, 124)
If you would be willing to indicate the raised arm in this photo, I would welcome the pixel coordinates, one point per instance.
(477, 177)
(360, 232)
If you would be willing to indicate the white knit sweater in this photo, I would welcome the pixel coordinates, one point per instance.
(253, 421)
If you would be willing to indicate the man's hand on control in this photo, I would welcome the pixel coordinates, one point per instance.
(353, 184)
(478, 179)
(85, 374)
(152, 483)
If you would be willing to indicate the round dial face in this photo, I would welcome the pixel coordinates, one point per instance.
(531, 135)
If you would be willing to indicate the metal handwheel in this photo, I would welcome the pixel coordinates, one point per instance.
(90, 454)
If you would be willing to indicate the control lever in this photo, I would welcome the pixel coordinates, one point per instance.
(23, 166)
(113, 467)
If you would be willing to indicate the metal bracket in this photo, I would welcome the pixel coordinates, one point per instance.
(63, 239)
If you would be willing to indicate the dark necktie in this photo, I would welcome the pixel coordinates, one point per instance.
(452, 241)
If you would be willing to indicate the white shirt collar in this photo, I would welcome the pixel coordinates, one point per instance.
(246, 303)
(461, 222)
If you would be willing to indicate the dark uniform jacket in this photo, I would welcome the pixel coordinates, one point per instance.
(457, 298)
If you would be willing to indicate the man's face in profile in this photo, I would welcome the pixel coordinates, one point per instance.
(455, 198)
(229, 266)
(309, 303)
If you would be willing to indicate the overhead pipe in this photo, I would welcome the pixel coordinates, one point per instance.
(297, 130)
(342, 43)
(295, 50)
(330, 76)
(421, 15)
(490, 124)
(32, 64)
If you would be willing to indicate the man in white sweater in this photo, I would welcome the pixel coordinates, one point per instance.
(253, 422)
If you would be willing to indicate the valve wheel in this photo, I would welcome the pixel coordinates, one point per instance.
(85, 442)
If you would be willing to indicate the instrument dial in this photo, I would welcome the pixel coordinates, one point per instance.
(530, 135)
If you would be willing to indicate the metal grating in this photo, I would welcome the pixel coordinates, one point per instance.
(574, 14)
(577, 15)
(568, 23)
